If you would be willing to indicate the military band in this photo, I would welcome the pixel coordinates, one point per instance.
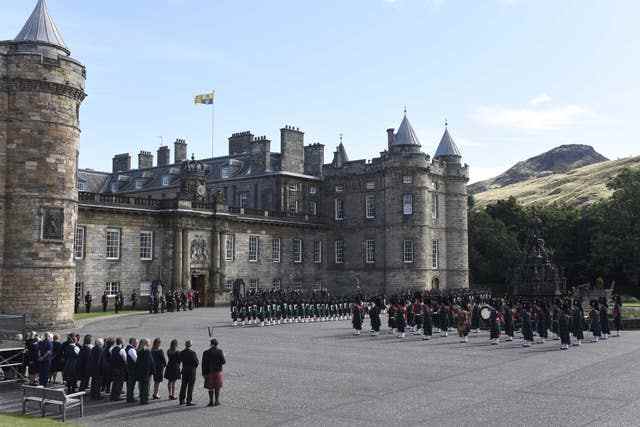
(424, 313)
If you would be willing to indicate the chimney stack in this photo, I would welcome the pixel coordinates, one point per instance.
(180, 150)
(390, 136)
(145, 160)
(121, 163)
(164, 156)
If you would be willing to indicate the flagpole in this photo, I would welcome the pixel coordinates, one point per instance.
(213, 121)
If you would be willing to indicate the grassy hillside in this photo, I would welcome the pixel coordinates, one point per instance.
(577, 187)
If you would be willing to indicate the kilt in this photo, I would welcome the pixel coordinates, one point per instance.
(214, 380)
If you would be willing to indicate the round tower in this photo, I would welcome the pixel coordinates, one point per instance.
(41, 89)
(456, 242)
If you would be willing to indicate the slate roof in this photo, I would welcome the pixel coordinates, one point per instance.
(447, 146)
(406, 135)
(41, 28)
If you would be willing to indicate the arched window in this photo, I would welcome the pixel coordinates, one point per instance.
(435, 283)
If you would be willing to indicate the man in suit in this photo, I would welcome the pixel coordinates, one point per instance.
(212, 361)
(190, 362)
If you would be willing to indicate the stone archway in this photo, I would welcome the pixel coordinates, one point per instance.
(435, 283)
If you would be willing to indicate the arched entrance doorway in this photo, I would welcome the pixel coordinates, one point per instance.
(435, 283)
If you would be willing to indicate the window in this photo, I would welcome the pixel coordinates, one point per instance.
(435, 254)
(146, 245)
(225, 172)
(339, 209)
(370, 206)
(114, 187)
(275, 250)
(407, 179)
(370, 185)
(244, 199)
(145, 289)
(254, 243)
(139, 184)
(228, 284)
(112, 288)
(253, 284)
(113, 243)
(407, 251)
(313, 189)
(297, 251)
(313, 208)
(435, 206)
(276, 284)
(82, 186)
(292, 198)
(407, 204)
(78, 242)
(370, 251)
(166, 181)
(229, 247)
(339, 188)
(317, 251)
(339, 249)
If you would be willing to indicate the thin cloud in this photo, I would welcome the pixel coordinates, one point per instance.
(543, 98)
(532, 119)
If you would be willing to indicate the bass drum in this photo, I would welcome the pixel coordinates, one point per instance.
(485, 312)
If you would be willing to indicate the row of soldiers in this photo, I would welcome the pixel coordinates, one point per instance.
(275, 307)
(174, 300)
(563, 317)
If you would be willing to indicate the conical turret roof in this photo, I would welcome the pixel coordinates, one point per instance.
(41, 28)
(447, 147)
(405, 135)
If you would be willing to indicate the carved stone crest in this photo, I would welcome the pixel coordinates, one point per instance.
(199, 251)
(53, 224)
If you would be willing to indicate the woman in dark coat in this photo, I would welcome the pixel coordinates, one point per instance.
(144, 370)
(172, 373)
(159, 363)
(57, 363)
(71, 356)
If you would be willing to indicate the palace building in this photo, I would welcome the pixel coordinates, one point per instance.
(274, 219)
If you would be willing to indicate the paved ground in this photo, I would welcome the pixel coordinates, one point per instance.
(319, 374)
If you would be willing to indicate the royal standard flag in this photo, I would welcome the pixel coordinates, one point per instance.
(207, 98)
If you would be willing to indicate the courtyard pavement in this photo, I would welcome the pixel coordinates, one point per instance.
(319, 374)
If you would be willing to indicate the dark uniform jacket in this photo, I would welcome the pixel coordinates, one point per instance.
(144, 365)
(212, 361)
(190, 362)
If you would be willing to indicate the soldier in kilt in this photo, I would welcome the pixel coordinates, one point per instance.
(604, 318)
(357, 317)
(400, 312)
(427, 320)
(526, 327)
(577, 323)
(475, 317)
(563, 328)
(594, 319)
(374, 317)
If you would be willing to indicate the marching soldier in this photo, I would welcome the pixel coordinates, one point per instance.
(134, 300)
(357, 317)
(594, 318)
(374, 317)
(563, 328)
(427, 320)
(604, 318)
(617, 315)
(577, 323)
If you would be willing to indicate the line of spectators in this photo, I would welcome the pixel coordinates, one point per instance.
(106, 366)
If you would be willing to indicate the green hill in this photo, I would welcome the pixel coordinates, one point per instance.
(577, 187)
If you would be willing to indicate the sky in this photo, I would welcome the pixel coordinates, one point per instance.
(513, 78)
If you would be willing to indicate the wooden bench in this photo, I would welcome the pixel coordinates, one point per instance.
(52, 396)
(63, 401)
(32, 394)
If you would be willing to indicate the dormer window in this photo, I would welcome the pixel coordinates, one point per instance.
(339, 188)
(165, 181)
(139, 184)
(313, 189)
(225, 172)
(114, 187)
(82, 186)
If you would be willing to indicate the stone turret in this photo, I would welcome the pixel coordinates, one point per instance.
(41, 89)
